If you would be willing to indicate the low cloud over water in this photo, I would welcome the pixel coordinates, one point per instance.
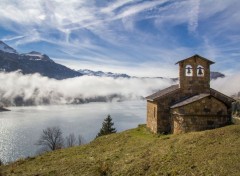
(19, 89)
(36, 89)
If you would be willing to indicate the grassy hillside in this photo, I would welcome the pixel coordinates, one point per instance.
(138, 152)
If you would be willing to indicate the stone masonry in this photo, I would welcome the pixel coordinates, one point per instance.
(190, 106)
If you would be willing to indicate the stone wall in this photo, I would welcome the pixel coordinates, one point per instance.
(159, 118)
(194, 84)
(161, 121)
(207, 113)
(163, 113)
(152, 116)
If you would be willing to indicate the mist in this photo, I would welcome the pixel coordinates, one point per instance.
(19, 89)
(34, 89)
(230, 85)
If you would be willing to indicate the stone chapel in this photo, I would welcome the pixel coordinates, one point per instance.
(191, 105)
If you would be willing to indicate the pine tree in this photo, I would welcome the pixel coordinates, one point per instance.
(107, 127)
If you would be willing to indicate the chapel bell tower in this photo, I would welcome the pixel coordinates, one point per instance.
(194, 75)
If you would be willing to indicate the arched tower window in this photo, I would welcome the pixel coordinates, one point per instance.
(200, 71)
(188, 70)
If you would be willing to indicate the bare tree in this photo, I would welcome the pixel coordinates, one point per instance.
(71, 140)
(80, 140)
(51, 138)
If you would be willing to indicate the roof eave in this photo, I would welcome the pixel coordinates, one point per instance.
(230, 98)
(196, 55)
(148, 99)
(177, 106)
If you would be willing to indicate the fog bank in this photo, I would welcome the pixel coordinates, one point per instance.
(19, 89)
(35, 89)
(230, 85)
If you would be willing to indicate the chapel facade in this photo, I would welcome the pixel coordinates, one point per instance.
(191, 105)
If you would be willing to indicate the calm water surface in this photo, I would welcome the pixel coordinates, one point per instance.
(21, 127)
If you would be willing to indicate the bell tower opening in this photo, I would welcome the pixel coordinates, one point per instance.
(194, 75)
(189, 70)
(200, 71)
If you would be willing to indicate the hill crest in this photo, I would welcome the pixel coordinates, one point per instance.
(139, 152)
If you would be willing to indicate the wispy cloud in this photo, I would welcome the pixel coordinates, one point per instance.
(10, 38)
(125, 30)
(113, 6)
(193, 15)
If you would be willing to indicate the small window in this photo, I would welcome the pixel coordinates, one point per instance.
(188, 70)
(154, 113)
(200, 71)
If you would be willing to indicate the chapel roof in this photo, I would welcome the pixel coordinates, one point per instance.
(190, 100)
(221, 96)
(163, 92)
(197, 56)
(167, 91)
(218, 95)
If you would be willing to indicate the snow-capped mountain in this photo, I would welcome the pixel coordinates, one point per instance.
(36, 62)
(33, 62)
(5, 48)
(213, 75)
(103, 74)
(36, 56)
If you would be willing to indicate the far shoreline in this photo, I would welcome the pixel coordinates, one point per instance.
(2, 109)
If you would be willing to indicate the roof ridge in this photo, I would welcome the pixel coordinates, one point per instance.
(196, 56)
(222, 94)
(191, 99)
(163, 92)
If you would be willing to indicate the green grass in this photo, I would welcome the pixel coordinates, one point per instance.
(139, 152)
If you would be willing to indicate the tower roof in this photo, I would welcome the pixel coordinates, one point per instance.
(196, 56)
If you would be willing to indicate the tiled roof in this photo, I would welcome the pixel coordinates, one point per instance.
(190, 100)
(163, 92)
(197, 56)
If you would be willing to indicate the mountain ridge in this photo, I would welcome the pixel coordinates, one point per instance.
(87, 72)
(33, 62)
(4, 47)
(36, 62)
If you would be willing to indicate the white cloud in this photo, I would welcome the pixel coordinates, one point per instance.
(228, 85)
(193, 15)
(115, 5)
(10, 38)
(109, 30)
(139, 8)
(39, 88)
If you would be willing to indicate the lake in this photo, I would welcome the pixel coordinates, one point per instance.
(22, 126)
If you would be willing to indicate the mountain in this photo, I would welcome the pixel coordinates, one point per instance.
(139, 152)
(33, 62)
(213, 75)
(103, 74)
(5, 48)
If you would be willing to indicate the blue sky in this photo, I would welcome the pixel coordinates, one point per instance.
(142, 38)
